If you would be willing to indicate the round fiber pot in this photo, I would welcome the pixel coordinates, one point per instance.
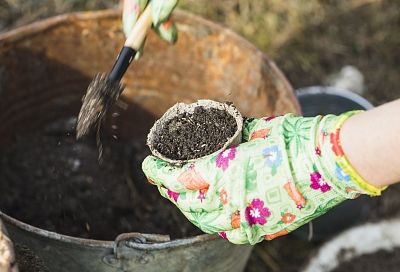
(45, 69)
(181, 108)
(329, 100)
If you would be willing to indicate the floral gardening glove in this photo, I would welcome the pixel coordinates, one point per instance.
(288, 171)
(161, 11)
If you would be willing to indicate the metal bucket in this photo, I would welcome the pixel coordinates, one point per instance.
(330, 100)
(44, 71)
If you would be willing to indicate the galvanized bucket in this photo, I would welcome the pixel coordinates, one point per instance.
(44, 71)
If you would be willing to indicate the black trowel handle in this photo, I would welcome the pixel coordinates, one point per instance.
(132, 44)
(121, 64)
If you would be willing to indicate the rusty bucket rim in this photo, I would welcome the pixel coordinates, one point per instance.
(104, 243)
(38, 26)
(33, 28)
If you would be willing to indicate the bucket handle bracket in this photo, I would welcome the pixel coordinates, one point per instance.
(133, 247)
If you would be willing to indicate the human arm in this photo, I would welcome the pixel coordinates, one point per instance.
(371, 142)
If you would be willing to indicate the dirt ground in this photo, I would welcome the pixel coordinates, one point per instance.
(309, 40)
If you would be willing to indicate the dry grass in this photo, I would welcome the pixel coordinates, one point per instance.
(309, 39)
(18, 12)
(312, 39)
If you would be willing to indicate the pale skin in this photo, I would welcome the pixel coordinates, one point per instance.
(371, 142)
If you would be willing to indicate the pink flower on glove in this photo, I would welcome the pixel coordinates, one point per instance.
(318, 182)
(223, 235)
(224, 157)
(256, 213)
(173, 195)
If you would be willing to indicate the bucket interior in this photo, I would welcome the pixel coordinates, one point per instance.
(45, 69)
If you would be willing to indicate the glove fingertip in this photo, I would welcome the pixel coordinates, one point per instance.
(148, 165)
(168, 31)
(162, 9)
(128, 21)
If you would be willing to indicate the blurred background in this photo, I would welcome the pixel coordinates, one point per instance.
(312, 41)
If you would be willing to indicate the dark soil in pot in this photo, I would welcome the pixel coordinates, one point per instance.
(53, 182)
(194, 135)
(382, 260)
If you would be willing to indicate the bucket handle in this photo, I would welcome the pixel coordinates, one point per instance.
(137, 240)
(132, 247)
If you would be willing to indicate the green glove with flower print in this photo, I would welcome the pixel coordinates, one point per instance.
(160, 11)
(288, 171)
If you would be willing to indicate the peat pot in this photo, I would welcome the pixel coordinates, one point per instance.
(45, 69)
(190, 108)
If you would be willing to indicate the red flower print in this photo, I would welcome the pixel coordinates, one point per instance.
(192, 180)
(262, 133)
(275, 235)
(167, 24)
(288, 218)
(223, 197)
(335, 141)
(235, 220)
(294, 194)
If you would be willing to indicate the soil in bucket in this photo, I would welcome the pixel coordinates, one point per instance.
(53, 182)
(193, 135)
(382, 260)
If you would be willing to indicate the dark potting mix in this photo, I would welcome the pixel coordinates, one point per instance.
(51, 181)
(194, 135)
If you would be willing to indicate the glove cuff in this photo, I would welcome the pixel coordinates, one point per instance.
(334, 161)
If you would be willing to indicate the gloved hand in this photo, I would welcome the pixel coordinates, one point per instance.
(288, 171)
(161, 11)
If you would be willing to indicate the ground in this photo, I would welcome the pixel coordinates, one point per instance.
(309, 40)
